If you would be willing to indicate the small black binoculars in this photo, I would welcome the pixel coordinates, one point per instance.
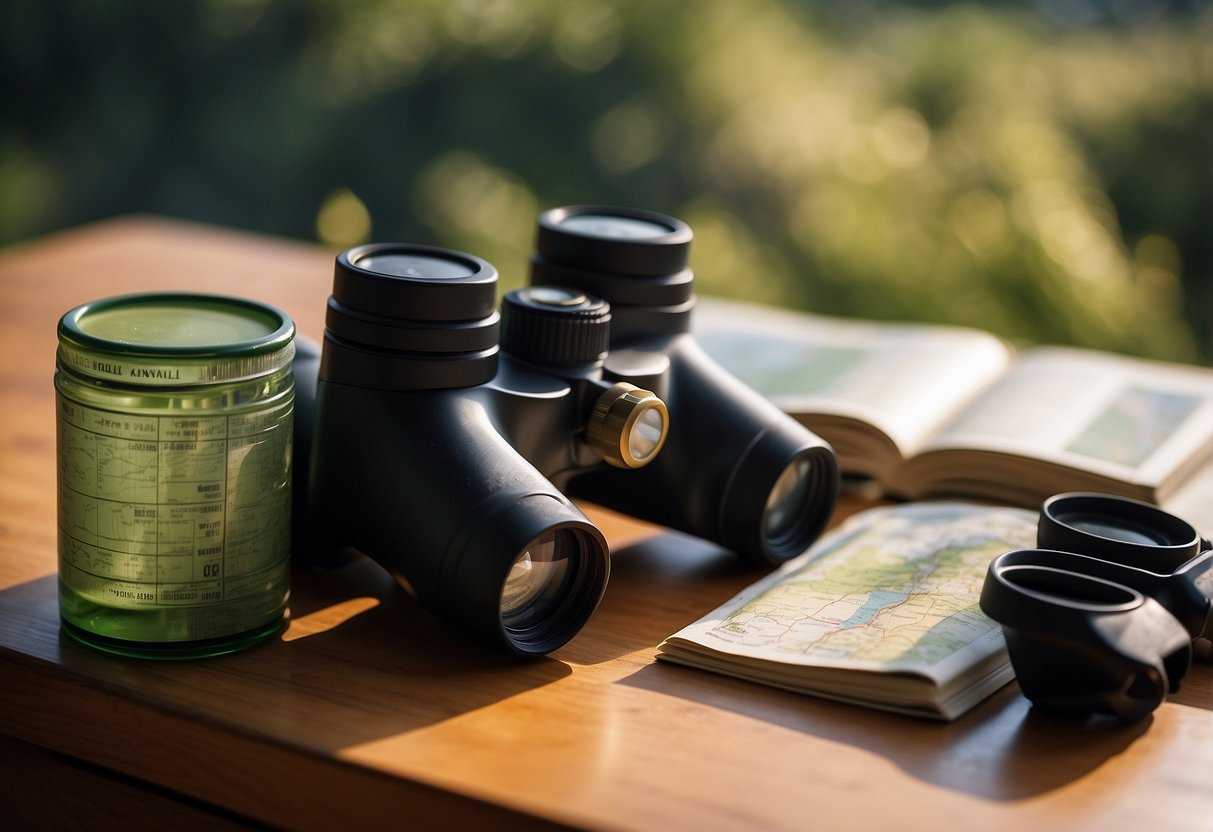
(447, 438)
(1101, 618)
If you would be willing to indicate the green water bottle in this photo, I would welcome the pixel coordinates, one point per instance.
(174, 419)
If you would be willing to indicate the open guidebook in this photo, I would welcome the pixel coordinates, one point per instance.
(883, 611)
(928, 410)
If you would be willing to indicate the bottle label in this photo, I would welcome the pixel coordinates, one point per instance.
(158, 371)
(173, 510)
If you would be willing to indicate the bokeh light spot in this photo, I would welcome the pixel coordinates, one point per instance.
(343, 220)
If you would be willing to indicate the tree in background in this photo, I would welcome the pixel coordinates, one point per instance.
(1046, 177)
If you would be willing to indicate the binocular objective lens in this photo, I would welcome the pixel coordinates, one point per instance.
(787, 503)
(538, 580)
(414, 265)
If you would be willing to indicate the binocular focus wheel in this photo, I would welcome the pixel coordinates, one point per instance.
(628, 426)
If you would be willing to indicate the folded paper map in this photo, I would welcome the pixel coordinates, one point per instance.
(882, 611)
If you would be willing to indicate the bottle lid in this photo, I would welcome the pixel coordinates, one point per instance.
(175, 339)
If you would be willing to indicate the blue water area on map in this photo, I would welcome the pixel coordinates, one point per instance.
(877, 601)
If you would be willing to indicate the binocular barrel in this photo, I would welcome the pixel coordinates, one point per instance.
(411, 470)
(762, 484)
(735, 470)
(422, 482)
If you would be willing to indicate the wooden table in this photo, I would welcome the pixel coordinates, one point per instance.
(368, 713)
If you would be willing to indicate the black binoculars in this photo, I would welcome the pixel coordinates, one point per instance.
(447, 438)
(1101, 618)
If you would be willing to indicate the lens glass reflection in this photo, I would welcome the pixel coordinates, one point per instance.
(646, 433)
(1115, 529)
(538, 580)
(788, 500)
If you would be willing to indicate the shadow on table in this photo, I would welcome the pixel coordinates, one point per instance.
(657, 587)
(1002, 750)
(368, 663)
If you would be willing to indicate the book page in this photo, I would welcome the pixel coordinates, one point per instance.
(904, 379)
(1192, 500)
(894, 592)
(1137, 421)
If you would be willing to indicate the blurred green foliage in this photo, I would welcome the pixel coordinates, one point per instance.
(1044, 171)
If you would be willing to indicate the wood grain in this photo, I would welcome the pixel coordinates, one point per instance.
(368, 712)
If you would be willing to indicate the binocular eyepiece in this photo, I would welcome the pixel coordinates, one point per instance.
(1101, 617)
(448, 437)
(411, 318)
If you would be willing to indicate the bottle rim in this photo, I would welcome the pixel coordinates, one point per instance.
(265, 346)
